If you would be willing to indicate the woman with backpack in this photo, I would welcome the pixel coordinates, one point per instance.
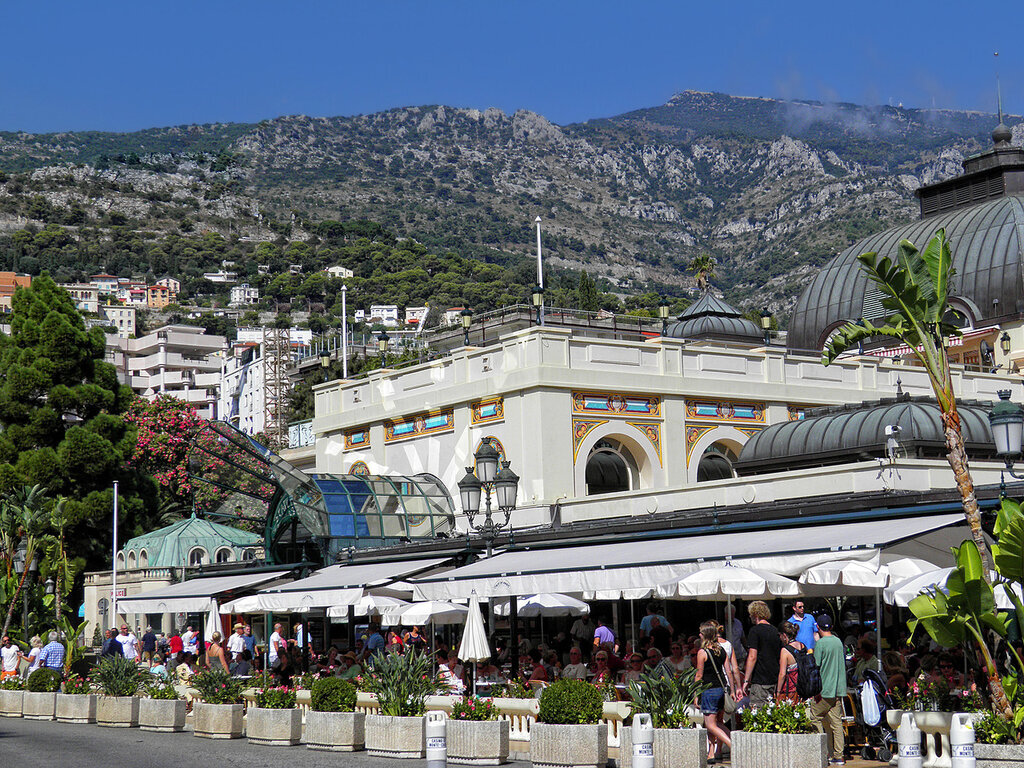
(785, 689)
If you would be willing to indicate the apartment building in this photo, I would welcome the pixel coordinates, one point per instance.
(9, 283)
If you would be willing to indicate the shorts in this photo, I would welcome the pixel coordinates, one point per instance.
(712, 701)
(147, 655)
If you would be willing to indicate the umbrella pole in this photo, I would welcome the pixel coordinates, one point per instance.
(632, 623)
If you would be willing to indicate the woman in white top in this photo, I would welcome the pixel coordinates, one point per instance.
(679, 659)
(33, 655)
(732, 670)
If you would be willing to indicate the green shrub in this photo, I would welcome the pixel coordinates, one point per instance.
(282, 697)
(402, 683)
(118, 676)
(778, 717)
(994, 729)
(161, 690)
(12, 684)
(513, 689)
(44, 680)
(217, 686)
(570, 702)
(332, 694)
(665, 699)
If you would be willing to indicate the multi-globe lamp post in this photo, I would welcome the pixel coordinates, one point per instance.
(486, 480)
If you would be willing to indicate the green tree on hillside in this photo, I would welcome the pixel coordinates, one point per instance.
(588, 297)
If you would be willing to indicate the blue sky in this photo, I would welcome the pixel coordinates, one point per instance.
(121, 66)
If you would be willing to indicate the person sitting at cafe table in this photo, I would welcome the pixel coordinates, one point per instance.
(575, 669)
(635, 669)
(538, 671)
(602, 671)
(352, 668)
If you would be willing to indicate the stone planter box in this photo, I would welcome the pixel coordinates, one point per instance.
(569, 746)
(162, 715)
(217, 721)
(10, 703)
(273, 727)
(335, 731)
(39, 706)
(117, 711)
(673, 748)
(770, 750)
(397, 737)
(76, 708)
(999, 755)
(477, 742)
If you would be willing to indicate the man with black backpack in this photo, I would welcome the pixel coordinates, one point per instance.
(827, 707)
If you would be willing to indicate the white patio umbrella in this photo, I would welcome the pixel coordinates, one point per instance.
(902, 568)
(370, 605)
(474, 646)
(849, 573)
(545, 604)
(429, 612)
(212, 623)
(902, 593)
(726, 581)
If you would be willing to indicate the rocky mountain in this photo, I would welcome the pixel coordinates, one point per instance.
(771, 188)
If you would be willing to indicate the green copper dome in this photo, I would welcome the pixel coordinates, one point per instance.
(181, 543)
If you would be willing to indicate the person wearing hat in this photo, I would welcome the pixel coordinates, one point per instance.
(354, 669)
(827, 709)
(236, 643)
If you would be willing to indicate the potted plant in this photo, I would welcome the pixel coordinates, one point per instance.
(779, 733)
(273, 720)
(162, 710)
(569, 731)
(331, 722)
(77, 702)
(119, 680)
(219, 711)
(12, 691)
(667, 700)
(40, 699)
(401, 684)
(475, 734)
(994, 745)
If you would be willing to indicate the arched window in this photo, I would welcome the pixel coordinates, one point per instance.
(131, 559)
(248, 555)
(610, 468)
(716, 463)
(197, 556)
(224, 555)
(143, 559)
(120, 559)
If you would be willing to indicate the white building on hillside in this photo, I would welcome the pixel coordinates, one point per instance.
(220, 276)
(119, 316)
(86, 296)
(383, 314)
(242, 295)
(416, 315)
(341, 272)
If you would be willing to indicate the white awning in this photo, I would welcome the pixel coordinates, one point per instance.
(645, 563)
(339, 585)
(193, 595)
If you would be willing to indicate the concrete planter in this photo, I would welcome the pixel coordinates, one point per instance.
(10, 703)
(673, 748)
(396, 737)
(478, 742)
(162, 715)
(76, 708)
(273, 727)
(569, 746)
(39, 706)
(218, 721)
(335, 731)
(999, 755)
(770, 750)
(117, 711)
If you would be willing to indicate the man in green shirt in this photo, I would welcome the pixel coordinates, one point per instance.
(827, 709)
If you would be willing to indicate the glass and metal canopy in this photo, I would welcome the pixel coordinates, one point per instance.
(315, 517)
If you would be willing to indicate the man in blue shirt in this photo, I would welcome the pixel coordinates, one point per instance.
(52, 655)
(375, 644)
(806, 627)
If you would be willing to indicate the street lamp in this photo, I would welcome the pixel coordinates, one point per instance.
(325, 362)
(538, 303)
(1004, 343)
(1007, 421)
(663, 314)
(467, 321)
(382, 346)
(766, 326)
(503, 483)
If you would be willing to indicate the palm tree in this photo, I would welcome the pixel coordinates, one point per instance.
(915, 292)
(26, 507)
(703, 269)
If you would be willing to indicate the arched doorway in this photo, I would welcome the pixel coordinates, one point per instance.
(611, 468)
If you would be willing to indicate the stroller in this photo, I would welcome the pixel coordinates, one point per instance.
(879, 739)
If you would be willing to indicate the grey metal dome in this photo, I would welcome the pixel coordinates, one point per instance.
(986, 241)
(711, 318)
(857, 432)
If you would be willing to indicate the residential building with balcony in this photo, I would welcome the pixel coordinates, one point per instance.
(158, 296)
(119, 316)
(243, 295)
(85, 295)
(172, 284)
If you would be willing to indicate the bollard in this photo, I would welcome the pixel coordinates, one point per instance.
(909, 737)
(643, 741)
(436, 728)
(961, 741)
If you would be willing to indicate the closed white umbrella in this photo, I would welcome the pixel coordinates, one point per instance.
(727, 581)
(545, 604)
(212, 623)
(474, 646)
(429, 612)
(370, 605)
(849, 573)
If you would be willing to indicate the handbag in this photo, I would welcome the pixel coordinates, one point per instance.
(729, 705)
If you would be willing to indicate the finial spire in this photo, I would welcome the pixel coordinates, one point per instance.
(1002, 135)
(999, 90)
